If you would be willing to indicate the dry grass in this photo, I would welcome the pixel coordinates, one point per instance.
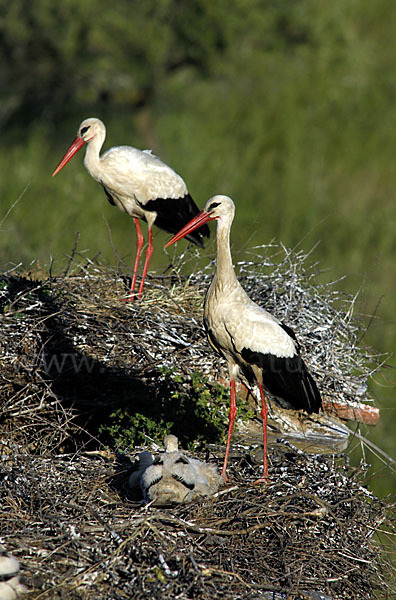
(72, 351)
(69, 520)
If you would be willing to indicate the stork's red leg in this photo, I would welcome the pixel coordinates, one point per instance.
(264, 413)
(231, 421)
(149, 252)
(139, 246)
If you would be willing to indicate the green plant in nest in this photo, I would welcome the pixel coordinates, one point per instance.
(126, 429)
(189, 406)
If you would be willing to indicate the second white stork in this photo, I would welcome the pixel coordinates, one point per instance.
(246, 335)
(138, 183)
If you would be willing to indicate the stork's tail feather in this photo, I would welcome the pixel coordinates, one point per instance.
(312, 394)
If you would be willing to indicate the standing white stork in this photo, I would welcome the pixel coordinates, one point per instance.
(138, 183)
(246, 335)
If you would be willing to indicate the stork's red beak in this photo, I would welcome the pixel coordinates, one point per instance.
(74, 147)
(200, 219)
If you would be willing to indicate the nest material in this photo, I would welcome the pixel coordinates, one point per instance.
(71, 342)
(70, 347)
(307, 535)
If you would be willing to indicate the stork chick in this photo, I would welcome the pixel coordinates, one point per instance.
(10, 586)
(174, 478)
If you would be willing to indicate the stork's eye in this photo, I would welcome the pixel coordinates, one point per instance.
(182, 459)
(158, 461)
(213, 206)
(84, 129)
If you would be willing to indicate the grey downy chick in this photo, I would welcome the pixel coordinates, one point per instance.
(174, 478)
(10, 587)
(141, 463)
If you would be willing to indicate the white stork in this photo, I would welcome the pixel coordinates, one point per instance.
(138, 183)
(246, 335)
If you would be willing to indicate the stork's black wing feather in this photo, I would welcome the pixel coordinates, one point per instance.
(109, 196)
(174, 213)
(288, 378)
(291, 333)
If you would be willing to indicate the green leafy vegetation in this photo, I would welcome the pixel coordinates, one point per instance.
(191, 408)
(288, 107)
(129, 429)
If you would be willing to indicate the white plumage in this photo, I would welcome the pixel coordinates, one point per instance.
(261, 332)
(139, 184)
(246, 335)
(133, 177)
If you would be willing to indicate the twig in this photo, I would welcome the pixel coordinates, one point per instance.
(14, 204)
(73, 254)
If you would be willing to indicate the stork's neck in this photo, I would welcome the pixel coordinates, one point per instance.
(92, 157)
(225, 274)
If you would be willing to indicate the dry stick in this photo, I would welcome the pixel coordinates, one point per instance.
(373, 447)
(73, 253)
(231, 532)
(93, 512)
(14, 204)
(20, 296)
(107, 560)
(121, 262)
(252, 586)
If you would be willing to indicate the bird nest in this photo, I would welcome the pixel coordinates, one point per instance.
(308, 534)
(71, 344)
(75, 356)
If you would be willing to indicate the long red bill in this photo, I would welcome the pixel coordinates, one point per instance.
(74, 147)
(200, 219)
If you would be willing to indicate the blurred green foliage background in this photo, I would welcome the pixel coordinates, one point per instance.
(286, 106)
